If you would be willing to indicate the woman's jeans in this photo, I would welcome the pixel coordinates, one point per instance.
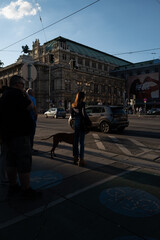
(79, 136)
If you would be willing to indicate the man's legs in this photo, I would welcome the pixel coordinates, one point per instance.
(12, 175)
(3, 172)
(23, 177)
(24, 180)
(19, 160)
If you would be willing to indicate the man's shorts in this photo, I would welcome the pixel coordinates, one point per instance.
(19, 154)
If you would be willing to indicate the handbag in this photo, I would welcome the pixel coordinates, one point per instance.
(86, 124)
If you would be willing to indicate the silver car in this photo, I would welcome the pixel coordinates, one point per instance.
(106, 118)
(55, 113)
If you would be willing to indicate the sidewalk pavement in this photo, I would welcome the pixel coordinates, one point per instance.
(108, 199)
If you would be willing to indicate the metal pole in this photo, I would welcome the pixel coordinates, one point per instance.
(145, 108)
(49, 86)
(29, 75)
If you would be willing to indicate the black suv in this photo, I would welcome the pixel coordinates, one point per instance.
(106, 118)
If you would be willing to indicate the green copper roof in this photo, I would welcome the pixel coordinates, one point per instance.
(49, 45)
(93, 53)
(87, 51)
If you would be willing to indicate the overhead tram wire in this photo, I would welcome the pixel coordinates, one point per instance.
(81, 9)
(11, 50)
(40, 18)
(140, 51)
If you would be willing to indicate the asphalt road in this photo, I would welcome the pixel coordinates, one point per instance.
(141, 138)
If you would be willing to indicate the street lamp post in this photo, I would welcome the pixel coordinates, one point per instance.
(145, 101)
(49, 86)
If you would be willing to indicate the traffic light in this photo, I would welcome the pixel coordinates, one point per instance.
(51, 58)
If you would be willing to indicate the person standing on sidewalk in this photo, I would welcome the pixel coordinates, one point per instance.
(3, 173)
(16, 128)
(34, 115)
(78, 112)
(140, 111)
(3, 150)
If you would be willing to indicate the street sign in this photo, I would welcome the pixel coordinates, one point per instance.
(29, 72)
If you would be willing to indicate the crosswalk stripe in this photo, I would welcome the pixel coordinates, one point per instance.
(137, 142)
(125, 150)
(98, 142)
(120, 146)
(143, 148)
(114, 139)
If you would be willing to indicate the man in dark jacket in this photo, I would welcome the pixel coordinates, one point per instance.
(3, 173)
(16, 128)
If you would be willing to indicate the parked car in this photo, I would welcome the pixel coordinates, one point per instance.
(106, 118)
(154, 111)
(55, 113)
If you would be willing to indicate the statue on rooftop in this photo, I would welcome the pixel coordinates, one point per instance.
(25, 49)
(1, 63)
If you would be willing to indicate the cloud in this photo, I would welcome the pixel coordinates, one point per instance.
(19, 9)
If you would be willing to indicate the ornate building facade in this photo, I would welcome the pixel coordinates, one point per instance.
(65, 67)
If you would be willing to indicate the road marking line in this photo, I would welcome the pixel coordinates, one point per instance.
(124, 149)
(143, 148)
(63, 198)
(157, 151)
(114, 139)
(101, 182)
(120, 146)
(137, 142)
(98, 142)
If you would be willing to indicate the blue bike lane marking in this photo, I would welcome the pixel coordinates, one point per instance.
(45, 179)
(130, 202)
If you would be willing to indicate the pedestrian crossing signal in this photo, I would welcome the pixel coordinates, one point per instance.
(51, 58)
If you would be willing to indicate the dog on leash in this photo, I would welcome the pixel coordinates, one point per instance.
(60, 137)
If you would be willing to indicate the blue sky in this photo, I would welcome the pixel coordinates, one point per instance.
(111, 26)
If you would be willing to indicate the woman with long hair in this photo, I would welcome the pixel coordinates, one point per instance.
(78, 111)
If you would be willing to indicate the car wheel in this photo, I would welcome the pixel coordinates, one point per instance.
(64, 117)
(105, 127)
(46, 115)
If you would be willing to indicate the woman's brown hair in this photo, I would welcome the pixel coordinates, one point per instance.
(79, 97)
